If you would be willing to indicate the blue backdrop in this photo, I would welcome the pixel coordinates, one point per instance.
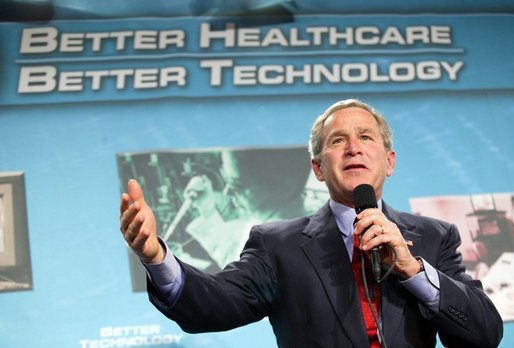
(451, 137)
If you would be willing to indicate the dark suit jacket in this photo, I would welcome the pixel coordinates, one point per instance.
(298, 273)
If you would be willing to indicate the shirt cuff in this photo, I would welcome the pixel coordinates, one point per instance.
(166, 272)
(425, 286)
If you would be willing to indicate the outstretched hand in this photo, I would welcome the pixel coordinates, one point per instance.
(138, 225)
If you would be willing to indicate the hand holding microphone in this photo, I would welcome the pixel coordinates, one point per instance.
(375, 230)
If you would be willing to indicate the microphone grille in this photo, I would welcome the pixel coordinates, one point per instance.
(364, 197)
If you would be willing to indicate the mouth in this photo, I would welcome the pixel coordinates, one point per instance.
(356, 166)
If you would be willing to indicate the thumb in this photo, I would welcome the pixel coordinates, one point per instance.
(135, 192)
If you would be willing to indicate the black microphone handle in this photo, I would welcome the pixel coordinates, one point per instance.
(364, 197)
(376, 267)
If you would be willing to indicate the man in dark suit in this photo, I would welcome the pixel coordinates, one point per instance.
(300, 273)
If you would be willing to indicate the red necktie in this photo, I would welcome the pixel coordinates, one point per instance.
(371, 325)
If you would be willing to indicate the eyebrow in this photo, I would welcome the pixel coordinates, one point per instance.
(335, 133)
(364, 130)
(338, 132)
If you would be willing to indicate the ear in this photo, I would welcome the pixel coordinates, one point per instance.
(391, 160)
(316, 168)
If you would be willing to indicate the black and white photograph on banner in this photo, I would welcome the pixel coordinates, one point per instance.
(486, 226)
(207, 200)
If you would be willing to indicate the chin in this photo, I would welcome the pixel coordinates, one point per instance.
(354, 183)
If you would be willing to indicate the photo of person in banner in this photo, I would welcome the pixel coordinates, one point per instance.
(207, 200)
(251, 195)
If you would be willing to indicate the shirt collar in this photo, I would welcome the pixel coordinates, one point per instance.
(345, 216)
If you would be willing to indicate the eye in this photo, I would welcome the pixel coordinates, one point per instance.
(366, 137)
(337, 140)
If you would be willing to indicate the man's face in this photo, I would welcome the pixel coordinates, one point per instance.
(353, 154)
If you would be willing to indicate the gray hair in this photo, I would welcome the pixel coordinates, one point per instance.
(316, 137)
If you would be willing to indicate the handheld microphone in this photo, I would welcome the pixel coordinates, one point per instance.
(364, 197)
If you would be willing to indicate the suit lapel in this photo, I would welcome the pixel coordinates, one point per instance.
(393, 302)
(327, 254)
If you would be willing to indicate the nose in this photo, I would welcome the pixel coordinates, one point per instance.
(353, 147)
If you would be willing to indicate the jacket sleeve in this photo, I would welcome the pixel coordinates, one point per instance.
(242, 293)
(466, 316)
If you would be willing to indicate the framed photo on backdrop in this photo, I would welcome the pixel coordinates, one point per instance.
(15, 266)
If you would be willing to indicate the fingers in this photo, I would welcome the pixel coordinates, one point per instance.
(138, 225)
(124, 203)
(138, 243)
(372, 237)
(134, 191)
(376, 229)
(130, 221)
(128, 213)
(131, 226)
(134, 229)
